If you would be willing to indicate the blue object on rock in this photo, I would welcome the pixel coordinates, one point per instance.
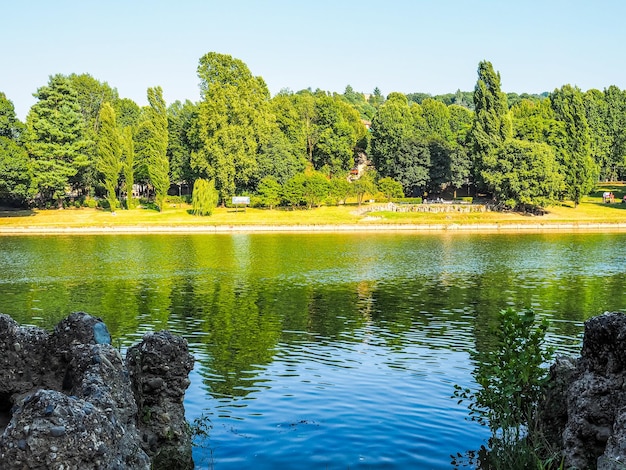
(101, 333)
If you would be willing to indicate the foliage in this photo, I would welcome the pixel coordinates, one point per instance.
(492, 122)
(270, 191)
(109, 153)
(523, 174)
(152, 144)
(364, 185)
(10, 125)
(510, 376)
(54, 139)
(15, 176)
(233, 118)
(338, 189)
(314, 188)
(574, 151)
(293, 190)
(204, 198)
(128, 163)
(390, 188)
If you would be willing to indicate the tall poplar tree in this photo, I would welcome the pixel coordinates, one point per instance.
(575, 150)
(492, 123)
(128, 163)
(109, 153)
(55, 140)
(152, 144)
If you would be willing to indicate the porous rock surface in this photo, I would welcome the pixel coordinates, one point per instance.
(68, 401)
(585, 407)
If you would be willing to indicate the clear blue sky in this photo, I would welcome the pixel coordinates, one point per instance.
(395, 45)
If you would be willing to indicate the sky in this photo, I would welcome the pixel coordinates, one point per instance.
(406, 46)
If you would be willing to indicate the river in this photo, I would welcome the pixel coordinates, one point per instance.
(320, 350)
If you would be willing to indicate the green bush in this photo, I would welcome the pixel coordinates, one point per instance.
(205, 197)
(408, 200)
(511, 376)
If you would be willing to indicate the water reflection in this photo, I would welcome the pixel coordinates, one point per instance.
(354, 340)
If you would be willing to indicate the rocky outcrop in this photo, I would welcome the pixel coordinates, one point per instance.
(69, 401)
(585, 407)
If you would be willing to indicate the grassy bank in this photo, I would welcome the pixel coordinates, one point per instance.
(591, 211)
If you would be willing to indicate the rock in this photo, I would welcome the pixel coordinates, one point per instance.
(67, 399)
(159, 367)
(585, 406)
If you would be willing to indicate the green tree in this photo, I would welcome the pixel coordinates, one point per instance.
(293, 190)
(615, 126)
(364, 185)
(315, 188)
(55, 139)
(179, 148)
(204, 198)
(411, 166)
(232, 119)
(15, 176)
(575, 151)
(492, 122)
(339, 128)
(152, 144)
(392, 125)
(109, 153)
(339, 189)
(390, 188)
(524, 174)
(128, 163)
(270, 191)
(10, 125)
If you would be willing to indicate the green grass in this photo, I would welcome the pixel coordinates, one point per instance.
(591, 210)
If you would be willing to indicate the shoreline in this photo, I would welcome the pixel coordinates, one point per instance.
(343, 228)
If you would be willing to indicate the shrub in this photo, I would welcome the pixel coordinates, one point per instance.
(205, 197)
(408, 200)
(510, 376)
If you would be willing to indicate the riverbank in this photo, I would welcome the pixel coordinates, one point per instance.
(223, 229)
(590, 215)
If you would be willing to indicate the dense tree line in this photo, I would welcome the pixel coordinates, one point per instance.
(82, 140)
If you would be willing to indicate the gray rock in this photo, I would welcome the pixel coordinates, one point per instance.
(585, 406)
(67, 400)
(159, 368)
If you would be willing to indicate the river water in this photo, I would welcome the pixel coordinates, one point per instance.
(320, 350)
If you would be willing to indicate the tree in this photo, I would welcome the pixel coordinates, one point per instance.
(54, 139)
(15, 175)
(575, 150)
(492, 123)
(411, 166)
(232, 120)
(339, 128)
(152, 144)
(390, 188)
(392, 125)
(10, 125)
(615, 127)
(338, 189)
(179, 118)
(109, 153)
(270, 191)
(128, 163)
(293, 190)
(364, 185)
(14, 172)
(314, 188)
(524, 174)
(204, 197)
